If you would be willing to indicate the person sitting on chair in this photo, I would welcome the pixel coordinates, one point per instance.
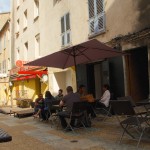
(67, 100)
(60, 95)
(39, 105)
(104, 101)
(82, 90)
(47, 102)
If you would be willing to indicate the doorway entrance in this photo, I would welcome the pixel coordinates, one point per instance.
(137, 73)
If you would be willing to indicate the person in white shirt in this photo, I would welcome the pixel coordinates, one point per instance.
(104, 101)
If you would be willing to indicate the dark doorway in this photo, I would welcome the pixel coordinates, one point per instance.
(137, 73)
(91, 79)
(116, 77)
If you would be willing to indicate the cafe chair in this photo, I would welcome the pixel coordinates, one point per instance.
(78, 115)
(132, 123)
(105, 111)
(49, 112)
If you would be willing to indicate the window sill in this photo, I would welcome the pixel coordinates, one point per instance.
(90, 36)
(36, 18)
(65, 46)
(24, 29)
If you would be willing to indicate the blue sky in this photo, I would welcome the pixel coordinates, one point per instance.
(4, 6)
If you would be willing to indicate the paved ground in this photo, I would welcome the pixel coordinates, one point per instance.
(32, 134)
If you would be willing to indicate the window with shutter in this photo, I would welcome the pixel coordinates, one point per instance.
(96, 17)
(25, 19)
(37, 46)
(26, 51)
(4, 40)
(4, 66)
(65, 30)
(36, 9)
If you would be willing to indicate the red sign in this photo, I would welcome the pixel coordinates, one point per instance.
(21, 67)
(20, 63)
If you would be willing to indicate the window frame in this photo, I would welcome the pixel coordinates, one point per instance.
(65, 32)
(98, 18)
(37, 46)
(25, 20)
(26, 47)
(36, 9)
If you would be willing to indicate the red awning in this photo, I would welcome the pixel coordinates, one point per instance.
(32, 72)
(25, 78)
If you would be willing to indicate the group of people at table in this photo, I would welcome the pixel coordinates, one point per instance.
(67, 101)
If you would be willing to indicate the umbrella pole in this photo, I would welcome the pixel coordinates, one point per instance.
(75, 66)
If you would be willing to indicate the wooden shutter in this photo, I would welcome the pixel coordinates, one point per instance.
(96, 16)
(62, 30)
(65, 29)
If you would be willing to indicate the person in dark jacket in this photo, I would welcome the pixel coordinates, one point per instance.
(48, 105)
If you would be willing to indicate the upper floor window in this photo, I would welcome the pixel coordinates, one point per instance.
(4, 40)
(26, 51)
(25, 19)
(18, 54)
(4, 66)
(17, 27)
(8, 34)
(9, 64)
(37, 46)
(18, 3)
(36, 8)
(96, 17)
(65, 30)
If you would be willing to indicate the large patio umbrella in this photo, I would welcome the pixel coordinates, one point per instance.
(86, 52)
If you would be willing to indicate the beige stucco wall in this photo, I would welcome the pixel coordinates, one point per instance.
(122, 17)
(4, 55)
(125, 17)
(31, 31)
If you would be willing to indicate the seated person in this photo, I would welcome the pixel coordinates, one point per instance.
(47, 103)
(39, 105)
(88, 98)
(82, 90)
(67, 100)
(59, 97)
(104, 101)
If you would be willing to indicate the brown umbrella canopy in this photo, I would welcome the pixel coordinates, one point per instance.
(82, 53)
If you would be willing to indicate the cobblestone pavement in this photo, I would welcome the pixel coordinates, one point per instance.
(29, 134)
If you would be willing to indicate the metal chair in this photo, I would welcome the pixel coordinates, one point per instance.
(132, 120)
(78, 114)
(50, 113)
(105, 111)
